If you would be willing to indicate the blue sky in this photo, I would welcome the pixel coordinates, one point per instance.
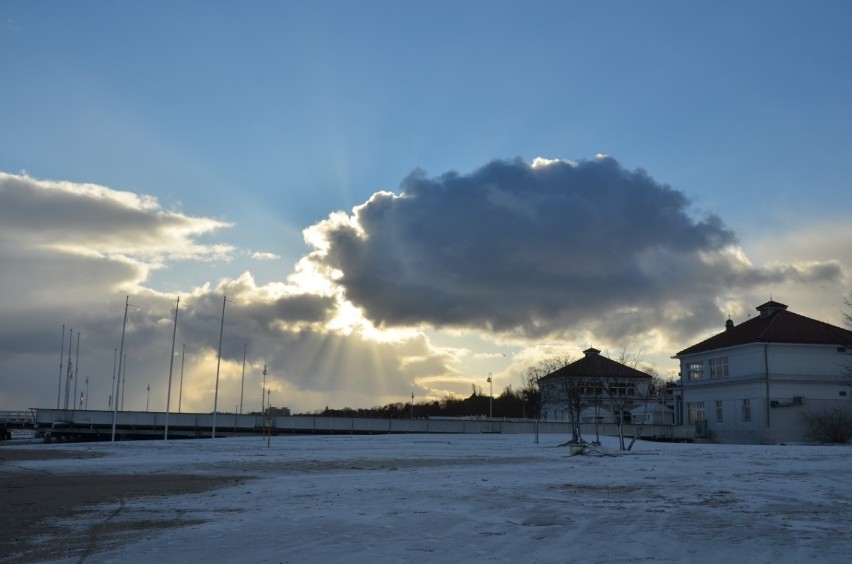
(272, 116)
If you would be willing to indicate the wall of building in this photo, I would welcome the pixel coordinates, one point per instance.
(800, 377)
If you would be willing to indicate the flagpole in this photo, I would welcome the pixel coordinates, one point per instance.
(171, 365)
(218, 364)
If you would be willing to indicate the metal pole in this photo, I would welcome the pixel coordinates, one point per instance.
(68, 374)
(180, 388)
(412, 405)
(148, 400)
(490, 402)
(171, 365)
(115, 397)
(263, 391)
(111, 390)
(61, 356)
(77, 365)
(218, 363)
(243, 384)
(124, 382)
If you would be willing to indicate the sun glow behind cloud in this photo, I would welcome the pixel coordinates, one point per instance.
(425, 292)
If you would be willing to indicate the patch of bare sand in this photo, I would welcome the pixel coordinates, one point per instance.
(33, 505)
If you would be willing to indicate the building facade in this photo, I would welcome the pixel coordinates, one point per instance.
(754, 382)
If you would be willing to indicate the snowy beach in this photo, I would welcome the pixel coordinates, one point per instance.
(416, 498)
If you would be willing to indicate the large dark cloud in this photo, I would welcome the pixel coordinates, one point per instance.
(536, 249)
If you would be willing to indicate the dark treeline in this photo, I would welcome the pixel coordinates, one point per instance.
(509, 404)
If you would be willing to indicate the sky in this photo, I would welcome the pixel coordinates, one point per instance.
(447, 498)
(405, 198)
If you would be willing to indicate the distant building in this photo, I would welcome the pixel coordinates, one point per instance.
(603, 388)
(753, 382)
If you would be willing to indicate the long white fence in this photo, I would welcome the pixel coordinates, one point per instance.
(83, 422)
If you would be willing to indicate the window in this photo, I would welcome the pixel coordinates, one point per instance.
(719, 411)
(746, 410)
(842, 394)
(694, 371)
(591, 389)
(719, 367)
(696, 411)
(621, 389)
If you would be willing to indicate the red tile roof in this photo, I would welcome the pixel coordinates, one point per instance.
(775, 325)
(593, 365)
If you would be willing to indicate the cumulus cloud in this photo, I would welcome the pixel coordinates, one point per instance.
(537, 249)
(90, 237)
(257, 255)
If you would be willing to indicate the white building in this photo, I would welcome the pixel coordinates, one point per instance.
(600, 388)
(652, 413)
(753, 382)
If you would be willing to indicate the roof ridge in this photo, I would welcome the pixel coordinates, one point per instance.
(773, 319)
(781, 326)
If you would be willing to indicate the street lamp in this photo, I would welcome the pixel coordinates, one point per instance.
(490, 397)
(412, 405)
(263, 390)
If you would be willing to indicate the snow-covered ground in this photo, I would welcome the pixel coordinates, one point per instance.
(475, 498)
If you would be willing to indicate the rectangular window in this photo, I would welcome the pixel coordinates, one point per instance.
(746, 410)
(622, 389)
(719, 411)
(694, 371)
(591, 390)
(719, 367)
(696, 411)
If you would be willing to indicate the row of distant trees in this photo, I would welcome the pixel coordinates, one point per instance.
(510, 403)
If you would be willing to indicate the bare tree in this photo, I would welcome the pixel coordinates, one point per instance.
(833, 425)
(646, 396)
(829, 426)
(847, 318)
(626, 393)
(561, 391)
(531, 393)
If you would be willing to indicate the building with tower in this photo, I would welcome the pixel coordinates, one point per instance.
(756, 381)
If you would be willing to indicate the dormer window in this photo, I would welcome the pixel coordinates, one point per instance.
(770, 307)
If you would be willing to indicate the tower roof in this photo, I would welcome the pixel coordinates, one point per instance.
(594, 365)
